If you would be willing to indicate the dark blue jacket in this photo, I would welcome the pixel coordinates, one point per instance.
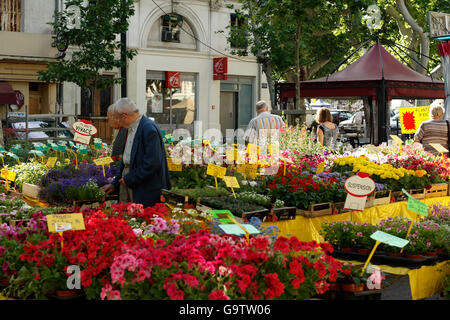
(148, 164)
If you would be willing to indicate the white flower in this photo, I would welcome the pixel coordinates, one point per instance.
(253, 183)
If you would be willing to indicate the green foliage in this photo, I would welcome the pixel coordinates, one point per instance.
(95, 43)
(255, 198)
(236, 206)
(202, 192)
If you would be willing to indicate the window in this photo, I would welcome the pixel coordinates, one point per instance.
(238, 36)
(171, 28)
(10, 15)
(160, 99)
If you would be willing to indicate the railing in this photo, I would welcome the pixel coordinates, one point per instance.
(30, 117)
(10, 15)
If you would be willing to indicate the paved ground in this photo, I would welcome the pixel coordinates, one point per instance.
(400, 290)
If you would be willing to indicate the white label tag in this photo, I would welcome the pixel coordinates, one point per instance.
(59, 227)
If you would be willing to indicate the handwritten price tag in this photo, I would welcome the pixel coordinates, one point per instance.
(63, 221)
(103, 161)
(8, 175)
(231, 182)
(174, 166)
(439, 148)
(51, 161)
(216, 171)
(396, 139)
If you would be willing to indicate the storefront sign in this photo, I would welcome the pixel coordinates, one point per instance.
(220, 68)
(411, 118)
(172, 79)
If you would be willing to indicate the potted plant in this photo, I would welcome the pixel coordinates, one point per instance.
(341, 235)
(352, 279)
(363, 242)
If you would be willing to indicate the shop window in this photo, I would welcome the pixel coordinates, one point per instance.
(239, 34)
(10, 15)
(171, 28)
(176, 109)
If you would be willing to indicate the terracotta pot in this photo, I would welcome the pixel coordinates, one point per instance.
(415, 256)
(364, 251)
(347, 249)
(394, 254)
(67, 293)
(430, 253)
(334, 287)
(352, 287)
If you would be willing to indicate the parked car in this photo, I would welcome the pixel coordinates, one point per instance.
(17, 123)
(395, 123)
(340, 115)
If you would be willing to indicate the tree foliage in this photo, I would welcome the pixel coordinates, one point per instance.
(94, 45)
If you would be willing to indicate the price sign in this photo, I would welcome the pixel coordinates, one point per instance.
(358, 188)
(51, 161)
(396, 139)
(174, 167)
(286, 160)
(231, 182)
(389, 239)
(8, 175)
(230, 155)
(415, 205)
(103, 161)
(439, 148)
(216, 171)
(64, 222)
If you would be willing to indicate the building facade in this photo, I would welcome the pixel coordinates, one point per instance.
(185, 37)
(25, 47)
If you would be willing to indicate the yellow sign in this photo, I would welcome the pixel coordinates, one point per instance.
(216, 171)
(103, 161)
(65, 222)
(286, 160)
(8, 175)
(320, 167)
(172, 166)
(438, 148)
(396, 139)
(51, 161)
(411, 118)
(231, 182)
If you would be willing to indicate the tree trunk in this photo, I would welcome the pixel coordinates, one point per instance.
(299, 103)
(267, 69)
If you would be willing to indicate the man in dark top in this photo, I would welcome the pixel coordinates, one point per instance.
(118, 145)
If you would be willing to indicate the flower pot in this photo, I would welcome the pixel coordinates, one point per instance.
(334, 287)
(347, 249)
(68, 293)
(364, 251)
(4, 282)
(440, 250)
(394, 254)
(352, 287)
(430, 253)
(415, 256)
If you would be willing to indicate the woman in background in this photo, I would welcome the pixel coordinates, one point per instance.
(327, 131)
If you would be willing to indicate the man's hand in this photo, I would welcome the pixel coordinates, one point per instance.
(122, 182)
(108, 188)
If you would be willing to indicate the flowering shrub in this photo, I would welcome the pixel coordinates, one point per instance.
(205, 266)
(300, 189)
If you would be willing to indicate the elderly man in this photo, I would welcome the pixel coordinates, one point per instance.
(143, 170)
(120, 139)
(434, 130)
(263, 121)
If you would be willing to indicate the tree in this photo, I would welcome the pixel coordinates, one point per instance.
(95, 43)
(297, 38)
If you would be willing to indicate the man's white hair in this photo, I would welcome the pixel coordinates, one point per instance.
(111, 109)
(125, 105)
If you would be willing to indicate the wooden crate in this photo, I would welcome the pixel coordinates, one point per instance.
(399, 196)
(317, 210)
(338, 207)
(30, 190)
(417, 193)
(173, 197)
(377, 199)
(285, 213)
(437, 190)
(261, 214)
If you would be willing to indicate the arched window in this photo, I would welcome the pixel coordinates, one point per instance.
(172, 31)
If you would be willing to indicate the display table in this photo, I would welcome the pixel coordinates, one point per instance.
(308, 229)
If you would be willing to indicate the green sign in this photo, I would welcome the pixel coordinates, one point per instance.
(12, 155)
(2, 149)
(222, 215)
(389, 239)
(415, 205)
(237, 230)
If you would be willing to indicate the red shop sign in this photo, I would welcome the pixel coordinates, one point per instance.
(220, 65)
(172, 79)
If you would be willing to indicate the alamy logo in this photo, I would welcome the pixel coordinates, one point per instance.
(74, 280)
(74, 17)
